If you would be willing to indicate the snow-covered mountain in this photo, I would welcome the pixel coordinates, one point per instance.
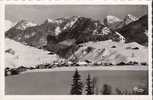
(49, 21)
(111, 19)
(52, 32)
(130, 27)
(64, 35)
(115, 23)
(136, 31)
(17, 54)
(23, 24)
(130, 18)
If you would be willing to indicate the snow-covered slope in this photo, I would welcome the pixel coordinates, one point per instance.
(130, 18)
(113, 22)
(49, 21)
(23, 24)
(112, 52)
(17, 54)
(112, 19)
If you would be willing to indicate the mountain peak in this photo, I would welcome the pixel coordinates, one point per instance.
(130, 18)
(111, 19)
(23, 24)
(48, 20)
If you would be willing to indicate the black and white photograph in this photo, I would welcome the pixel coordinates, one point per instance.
(76, 50)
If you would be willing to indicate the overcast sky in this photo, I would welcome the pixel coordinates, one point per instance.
(38, 14)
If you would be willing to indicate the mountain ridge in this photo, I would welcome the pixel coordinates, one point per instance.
(53, 35)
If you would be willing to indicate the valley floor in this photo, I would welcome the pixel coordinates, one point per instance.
(88, 68)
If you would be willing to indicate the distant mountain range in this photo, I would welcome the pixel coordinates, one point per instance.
(63, 36)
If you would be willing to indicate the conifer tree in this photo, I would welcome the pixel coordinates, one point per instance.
(89, 88)
(107, 89)
(94, 85)
(77, 85)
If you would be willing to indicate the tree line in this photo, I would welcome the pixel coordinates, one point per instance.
(90, 87)
(77, 87)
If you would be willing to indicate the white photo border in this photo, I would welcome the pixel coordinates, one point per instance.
(72, 2)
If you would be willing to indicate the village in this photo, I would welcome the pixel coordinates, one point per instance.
(67, 63)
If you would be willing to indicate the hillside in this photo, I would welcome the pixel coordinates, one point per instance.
(17, 54)
(111, 52)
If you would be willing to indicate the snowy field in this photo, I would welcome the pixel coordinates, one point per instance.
(88, 68)
(58, 81)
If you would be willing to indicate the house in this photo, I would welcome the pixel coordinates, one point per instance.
(7, 72)
(69, 63)
(21, 69)
(82, 63)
